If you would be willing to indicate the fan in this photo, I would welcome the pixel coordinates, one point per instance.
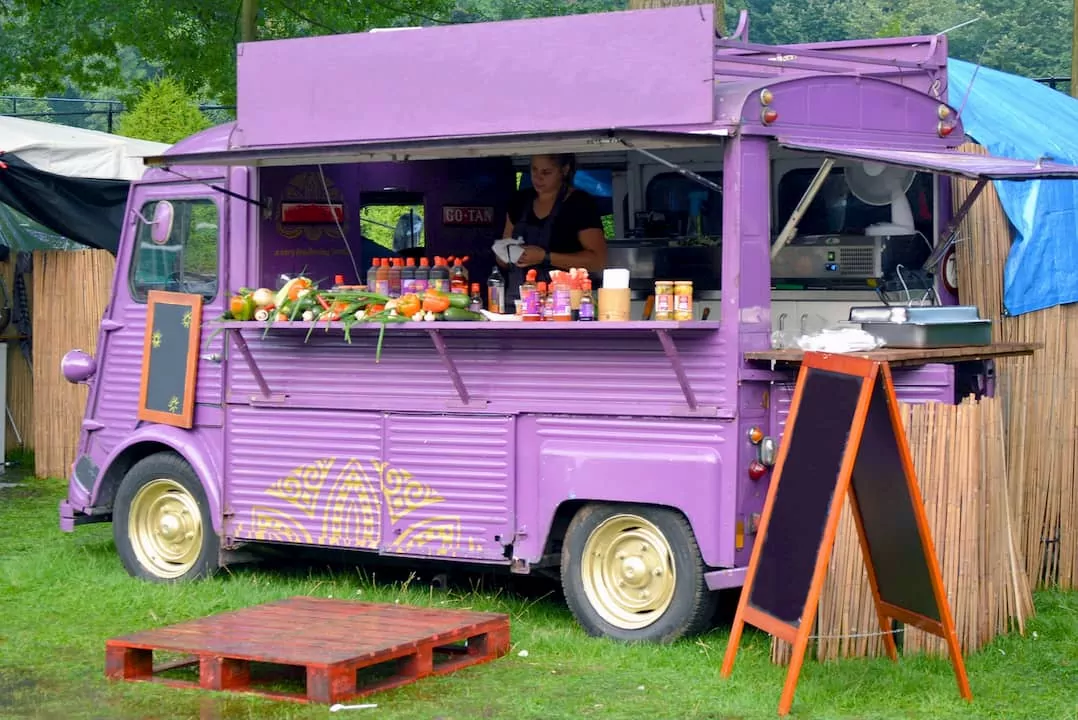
(874, 183)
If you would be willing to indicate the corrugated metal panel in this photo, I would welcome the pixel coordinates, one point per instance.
(304, 476)
(930, 383)
(607, 372)
(448, 485)
(120, 373)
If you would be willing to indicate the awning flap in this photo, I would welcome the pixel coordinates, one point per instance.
(948, 162)
(442, 148)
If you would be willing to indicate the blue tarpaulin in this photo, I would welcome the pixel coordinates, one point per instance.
(1015, 117)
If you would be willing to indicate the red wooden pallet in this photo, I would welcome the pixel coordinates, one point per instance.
(331, 639)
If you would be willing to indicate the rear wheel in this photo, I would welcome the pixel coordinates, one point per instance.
(161, 522)
(635, 573)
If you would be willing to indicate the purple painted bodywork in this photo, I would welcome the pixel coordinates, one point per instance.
(469, 440)
(462, 79)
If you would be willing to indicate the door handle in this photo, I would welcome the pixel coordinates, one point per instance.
(782, 322)
(212, 357)
(804, 318)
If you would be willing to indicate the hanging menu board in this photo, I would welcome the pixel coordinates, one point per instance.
(170, 358)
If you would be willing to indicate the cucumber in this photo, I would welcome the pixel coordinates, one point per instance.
(456, 314)
(459, 300)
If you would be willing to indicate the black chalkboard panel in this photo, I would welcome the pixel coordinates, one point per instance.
(888, 519)
(802, 504)
(170, 358)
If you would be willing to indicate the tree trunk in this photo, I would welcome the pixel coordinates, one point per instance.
(248, 20)
(720, 8)
(1074, 53)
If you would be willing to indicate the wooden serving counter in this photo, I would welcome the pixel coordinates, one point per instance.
(904, 357)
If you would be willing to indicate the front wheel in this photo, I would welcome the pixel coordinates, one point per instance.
(635, 573)
(161, 522)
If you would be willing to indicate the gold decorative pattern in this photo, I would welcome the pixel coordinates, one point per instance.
(275, 526)
(351, 511)
(352, 516)
(303, 485)
(155, 339)
(187, 318)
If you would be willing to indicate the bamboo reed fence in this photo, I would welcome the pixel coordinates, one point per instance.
(958, 455)
(1040, 392)
(70, 292)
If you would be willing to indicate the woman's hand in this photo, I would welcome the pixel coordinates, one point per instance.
(531, 255)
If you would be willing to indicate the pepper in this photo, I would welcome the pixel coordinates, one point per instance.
(435, 303)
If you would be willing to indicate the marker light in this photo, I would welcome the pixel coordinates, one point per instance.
(768, 116)
(766, 97)
(756, 435)
(943, 112)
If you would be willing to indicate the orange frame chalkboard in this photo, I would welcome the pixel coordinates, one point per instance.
(871, 372)
(184, 418)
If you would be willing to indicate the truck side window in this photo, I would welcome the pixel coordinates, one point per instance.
(675, 196)
(393, 226)
(187, 262)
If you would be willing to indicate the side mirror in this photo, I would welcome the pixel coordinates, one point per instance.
(161, 225)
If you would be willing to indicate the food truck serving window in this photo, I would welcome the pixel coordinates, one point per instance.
(835, 210)
(187, 261)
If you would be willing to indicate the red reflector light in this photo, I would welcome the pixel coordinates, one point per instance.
(756, 470)
(311, 213)
(944, 129)
(768, 116)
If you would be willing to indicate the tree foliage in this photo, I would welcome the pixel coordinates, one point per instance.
(165, 112)
(52, 45)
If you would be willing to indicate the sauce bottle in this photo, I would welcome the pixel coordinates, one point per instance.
(529, 298)
(544, 301)
(381, 282)
(372, 274)
(422, 275)
(560, 298)
(408, 277)
(587, 305)
(477, 299)
(458, 279)
(496, 291)
(439, 275)
(395, 277)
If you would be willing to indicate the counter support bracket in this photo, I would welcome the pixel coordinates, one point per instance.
(454, 374)
(241, 345)
(675, 360)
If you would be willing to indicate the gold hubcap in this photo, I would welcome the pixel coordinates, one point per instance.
(628, 572)
(165, 528)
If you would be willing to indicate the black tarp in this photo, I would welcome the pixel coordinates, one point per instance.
(86, 210)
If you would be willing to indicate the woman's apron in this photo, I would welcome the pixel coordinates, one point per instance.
(538, 235)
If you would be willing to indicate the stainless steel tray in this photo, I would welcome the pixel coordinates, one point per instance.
(931, 335)
(926, 314)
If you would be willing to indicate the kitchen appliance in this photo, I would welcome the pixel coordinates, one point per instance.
(847, 257)
(924, 327)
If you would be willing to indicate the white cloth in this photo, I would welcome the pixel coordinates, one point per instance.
(509, 250)
(839, 340)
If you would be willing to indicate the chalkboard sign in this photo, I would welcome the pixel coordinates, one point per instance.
(170, 358)
(844, 437)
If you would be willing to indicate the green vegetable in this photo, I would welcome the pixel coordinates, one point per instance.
(459, 300)
(456, 314)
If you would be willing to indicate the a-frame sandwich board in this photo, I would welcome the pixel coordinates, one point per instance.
(844, 436)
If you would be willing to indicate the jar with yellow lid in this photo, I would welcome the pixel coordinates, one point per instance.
(683, 300)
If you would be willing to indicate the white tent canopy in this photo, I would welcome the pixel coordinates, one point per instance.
(74, 152)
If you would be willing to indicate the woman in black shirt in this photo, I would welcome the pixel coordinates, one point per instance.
(560, 224)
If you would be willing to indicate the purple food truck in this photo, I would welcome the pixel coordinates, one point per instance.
(787, 183)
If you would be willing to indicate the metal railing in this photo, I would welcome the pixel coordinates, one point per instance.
(1062, 84)
(85, 113)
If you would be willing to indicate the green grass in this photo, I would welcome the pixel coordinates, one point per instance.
(62, 596)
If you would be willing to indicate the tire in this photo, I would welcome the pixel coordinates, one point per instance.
(159, 496)
(655, 544)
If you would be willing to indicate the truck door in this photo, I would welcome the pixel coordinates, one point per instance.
(189, 260)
